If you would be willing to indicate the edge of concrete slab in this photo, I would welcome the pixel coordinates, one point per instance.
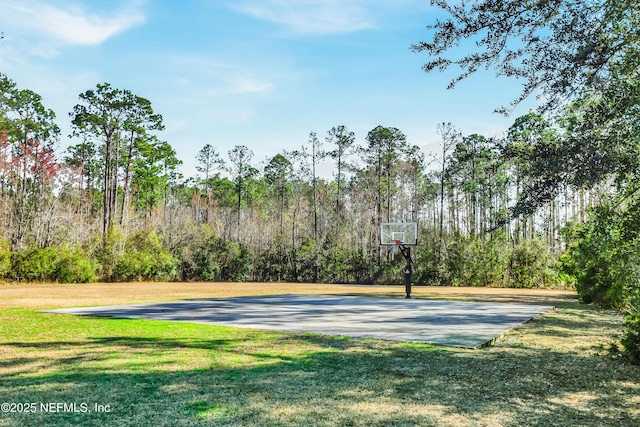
(502, 336)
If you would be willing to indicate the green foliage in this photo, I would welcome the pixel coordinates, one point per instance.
(429, 269)
(564, 47)
(222, 189)
(340, 264)
(631, 337)
(134, 265)
(604, 261)
(145, 259)
(34, 264)
(209, 257)
(64, 265)
(242, 171)
(351, 265)
(336, 266)
(490, 260)
(272, 265)
(531, 264)
(604, 258)
(109, 251)
(207, 161)
(365, 270)
(73, 265)
(479, 261)
(236, 262)
(155, 167)
(5, 258)
(192, 265)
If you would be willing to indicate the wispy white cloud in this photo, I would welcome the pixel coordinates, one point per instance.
(314, 17)
(219, 77)
(67, 22)
(244, 84)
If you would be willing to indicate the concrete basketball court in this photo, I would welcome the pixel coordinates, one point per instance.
(460, 324)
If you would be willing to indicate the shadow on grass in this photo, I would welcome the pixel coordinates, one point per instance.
(130, 342)
(579, 321)
(328, 381)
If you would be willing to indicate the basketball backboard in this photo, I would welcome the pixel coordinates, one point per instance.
(403, 233)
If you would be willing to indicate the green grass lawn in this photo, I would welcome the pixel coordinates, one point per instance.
(549, 372)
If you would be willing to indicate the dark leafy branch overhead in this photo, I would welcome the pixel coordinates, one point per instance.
(557, 47)
(581, 58)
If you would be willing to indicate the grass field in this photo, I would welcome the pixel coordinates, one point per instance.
(548, 372)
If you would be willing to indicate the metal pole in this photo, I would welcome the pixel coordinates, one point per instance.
(407, 273)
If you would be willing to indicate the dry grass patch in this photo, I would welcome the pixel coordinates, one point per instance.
(43, 296)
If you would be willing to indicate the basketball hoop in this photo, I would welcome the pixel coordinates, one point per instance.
(401, 236)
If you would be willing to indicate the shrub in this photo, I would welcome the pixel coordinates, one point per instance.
(5, 258)
(602, 258)
(530, 264)
(134, 266)
(483, 261)
(108, 252)
(270, 265)
(210, 257)
(335, 266)
(64, 265)
(196, 262)
(145, 259)
(237, 263)
(631, 337)
(35, 265)
(429, 269)
(492, 261)
(604, 261)
(306, 268)
(74, 266)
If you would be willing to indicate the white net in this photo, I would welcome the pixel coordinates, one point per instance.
(395, 249)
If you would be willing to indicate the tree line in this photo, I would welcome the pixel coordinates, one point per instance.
(115, 206)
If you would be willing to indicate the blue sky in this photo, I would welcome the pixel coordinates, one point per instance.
(260, 73)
